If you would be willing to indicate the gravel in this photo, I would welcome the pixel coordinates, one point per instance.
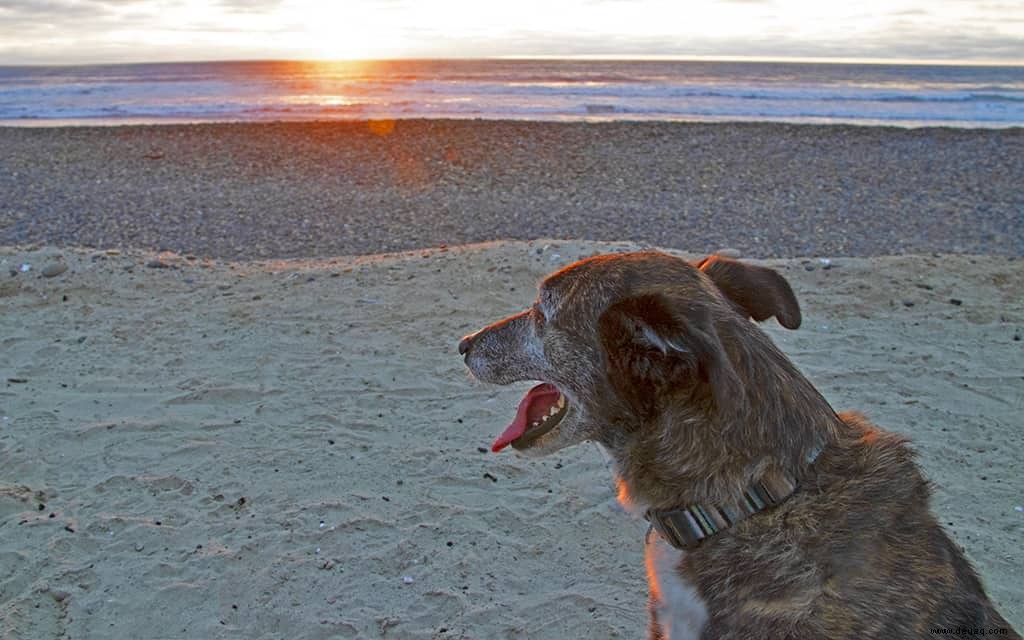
(258, 191)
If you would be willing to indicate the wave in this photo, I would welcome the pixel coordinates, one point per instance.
(1002, 94)
(516, 90)
(229, 112)
(220, 88)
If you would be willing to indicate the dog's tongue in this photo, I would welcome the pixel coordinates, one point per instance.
(542, 395)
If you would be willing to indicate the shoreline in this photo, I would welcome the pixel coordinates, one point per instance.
(106, 123)
(309, 189)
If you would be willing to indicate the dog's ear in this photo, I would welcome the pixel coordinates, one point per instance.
(652, 343)
(759, 291)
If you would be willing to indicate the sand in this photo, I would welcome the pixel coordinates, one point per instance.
(209, 449)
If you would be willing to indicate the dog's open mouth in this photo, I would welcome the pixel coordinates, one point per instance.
(540, 410)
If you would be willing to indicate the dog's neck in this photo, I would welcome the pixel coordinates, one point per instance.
(687, 527)
(698, 454)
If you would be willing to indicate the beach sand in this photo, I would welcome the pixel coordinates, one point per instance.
(212, 449)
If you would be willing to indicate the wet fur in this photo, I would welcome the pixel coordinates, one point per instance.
(664, 369)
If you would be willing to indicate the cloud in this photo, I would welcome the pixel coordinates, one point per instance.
(49, 7)
(946, 44)
(249, 6)
(76, 31)
(43, 21)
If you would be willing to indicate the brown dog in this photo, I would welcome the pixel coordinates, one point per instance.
(772, 516)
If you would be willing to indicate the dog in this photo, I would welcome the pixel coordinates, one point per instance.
(772, 516)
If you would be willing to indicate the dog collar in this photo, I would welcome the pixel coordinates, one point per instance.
(687, 527)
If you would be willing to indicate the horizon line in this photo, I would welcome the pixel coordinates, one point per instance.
(568, 58)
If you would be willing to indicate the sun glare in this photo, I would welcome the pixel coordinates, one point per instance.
(334, 31)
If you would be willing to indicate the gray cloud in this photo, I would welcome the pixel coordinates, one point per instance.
(46, 21)
(49, 7)
(934, 44)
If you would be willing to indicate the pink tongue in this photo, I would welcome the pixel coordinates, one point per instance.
(518, 426)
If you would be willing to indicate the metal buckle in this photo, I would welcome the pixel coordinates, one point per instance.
(680, 528)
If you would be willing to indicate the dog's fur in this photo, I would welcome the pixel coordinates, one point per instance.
(662, 366)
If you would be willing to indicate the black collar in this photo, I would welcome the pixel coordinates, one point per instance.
(687, 527)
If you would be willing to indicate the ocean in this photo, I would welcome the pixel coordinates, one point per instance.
(563, 90)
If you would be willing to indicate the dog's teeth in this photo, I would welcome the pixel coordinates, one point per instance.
(535, 423)
(554, 410)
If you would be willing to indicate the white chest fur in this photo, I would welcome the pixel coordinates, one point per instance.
(679, 609)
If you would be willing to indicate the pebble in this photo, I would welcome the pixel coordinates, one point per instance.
(58, 594)
(54, 269)
(729, 252)
(526, 181)
(157, 264)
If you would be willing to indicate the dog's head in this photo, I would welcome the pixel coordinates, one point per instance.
(617, 340)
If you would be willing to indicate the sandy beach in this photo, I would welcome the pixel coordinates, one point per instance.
(231, 404)
(204, 448)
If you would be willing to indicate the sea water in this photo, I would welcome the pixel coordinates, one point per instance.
(561, 90)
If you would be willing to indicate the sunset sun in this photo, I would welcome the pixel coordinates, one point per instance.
(336, 32)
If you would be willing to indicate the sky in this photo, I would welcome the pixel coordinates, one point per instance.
(96, 31)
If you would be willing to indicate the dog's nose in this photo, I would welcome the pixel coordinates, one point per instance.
(465, 343)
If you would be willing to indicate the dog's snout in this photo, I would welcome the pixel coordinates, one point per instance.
(465, 344)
